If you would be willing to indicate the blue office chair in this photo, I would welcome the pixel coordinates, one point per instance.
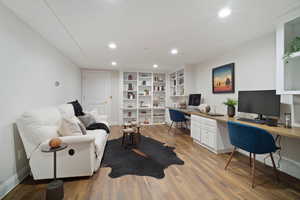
(176, 116)
(253, 140)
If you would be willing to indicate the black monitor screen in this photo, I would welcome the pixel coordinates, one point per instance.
(264, 102)
(194, 99)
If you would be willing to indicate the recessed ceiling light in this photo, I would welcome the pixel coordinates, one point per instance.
(174, 51)
(155, 66)
(113, 63)
(225, 12)
(112, 45)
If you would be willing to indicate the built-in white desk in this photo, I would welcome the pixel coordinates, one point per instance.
(212, 133)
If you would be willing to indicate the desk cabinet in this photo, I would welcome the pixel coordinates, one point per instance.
(210, 134)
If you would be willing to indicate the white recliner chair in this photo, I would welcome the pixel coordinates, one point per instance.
(38, 127)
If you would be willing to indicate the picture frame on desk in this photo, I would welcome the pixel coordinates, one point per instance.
(223, 79)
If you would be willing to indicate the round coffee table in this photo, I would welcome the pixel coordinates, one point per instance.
(55, 189)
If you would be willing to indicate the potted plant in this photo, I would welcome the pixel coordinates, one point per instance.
(230, 103)
(292, 47)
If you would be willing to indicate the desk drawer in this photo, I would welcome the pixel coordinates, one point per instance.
(208, 139)
(209, 122)
(196, 118)
(211, 129)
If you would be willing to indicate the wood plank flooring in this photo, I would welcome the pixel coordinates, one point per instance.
(201, 177)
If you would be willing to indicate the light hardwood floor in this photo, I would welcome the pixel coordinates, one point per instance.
(201, 177)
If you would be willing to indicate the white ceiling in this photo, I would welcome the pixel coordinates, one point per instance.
(146, 30)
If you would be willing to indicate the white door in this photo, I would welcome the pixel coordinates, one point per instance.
(96, 91)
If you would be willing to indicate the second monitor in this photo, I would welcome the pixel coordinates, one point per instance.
(261, 102)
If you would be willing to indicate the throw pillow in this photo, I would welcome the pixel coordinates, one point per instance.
(87, 119)
(69, 127)
(77, 108)
(81, 125)
(82, 128)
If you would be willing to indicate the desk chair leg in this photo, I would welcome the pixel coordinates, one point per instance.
(250, 159)
(186, 126)
(230, 158)
(274, 167)
(123, 139)
(170, 127)
(253, 170)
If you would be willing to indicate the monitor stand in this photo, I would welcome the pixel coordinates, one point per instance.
(261, 118)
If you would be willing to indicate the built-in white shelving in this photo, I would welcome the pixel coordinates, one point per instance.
(177, 83)
(129, 97)
(144, 97)
(159, 98)
(288, 68)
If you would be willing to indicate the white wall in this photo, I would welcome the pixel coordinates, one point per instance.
(29, 67)
(116, 97)
(255, 68)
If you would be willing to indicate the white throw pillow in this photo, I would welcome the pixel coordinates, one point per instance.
(70, 127)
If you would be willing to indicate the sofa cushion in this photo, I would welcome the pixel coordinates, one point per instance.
(70, 127)
(66, 110)
(37, 126)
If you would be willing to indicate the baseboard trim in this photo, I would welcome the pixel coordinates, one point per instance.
(9, 184)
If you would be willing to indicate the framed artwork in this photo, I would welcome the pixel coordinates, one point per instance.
(223, 79)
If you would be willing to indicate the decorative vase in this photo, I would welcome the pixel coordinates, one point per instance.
(231, 111)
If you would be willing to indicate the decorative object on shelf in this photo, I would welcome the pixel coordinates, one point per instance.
(230, 103)
(155, 103)
(204, 108)
(182, 105)
(129, 114)
(287, 120)
(130, 95)
(223, 79)
(141, 103)
(130, 77)
(144, 83)
(55, 143)
(181, 81)
(146, 92)
(130, 86)
(292, 47)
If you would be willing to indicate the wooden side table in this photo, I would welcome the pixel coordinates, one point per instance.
(55, 189)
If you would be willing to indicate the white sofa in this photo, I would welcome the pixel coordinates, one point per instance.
(38, 127)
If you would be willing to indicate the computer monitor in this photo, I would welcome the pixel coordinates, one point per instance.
(194, 99)
(261, 102)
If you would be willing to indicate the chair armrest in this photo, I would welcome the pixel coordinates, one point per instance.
(73, 140)
(77, 139)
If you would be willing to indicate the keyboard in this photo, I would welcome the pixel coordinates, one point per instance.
(252, 120)
(215, 114)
